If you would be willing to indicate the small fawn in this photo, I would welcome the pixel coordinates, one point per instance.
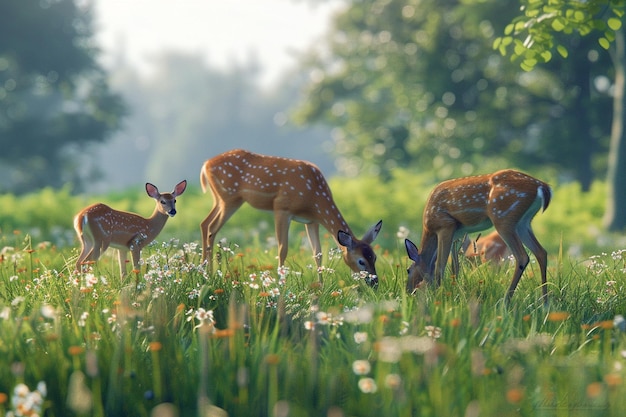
(490, 248)
(99, 226)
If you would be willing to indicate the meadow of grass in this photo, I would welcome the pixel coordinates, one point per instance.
(253, 340)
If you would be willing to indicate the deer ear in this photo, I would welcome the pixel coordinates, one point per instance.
(411, 250)
(180, 188)
(152, 190)
(345, 239)
(372, 233)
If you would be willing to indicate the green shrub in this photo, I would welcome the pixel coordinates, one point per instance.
(572, 223)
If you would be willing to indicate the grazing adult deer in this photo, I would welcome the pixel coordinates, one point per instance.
(506, 199)
(293, 190)
(99, 226)
(490, 248)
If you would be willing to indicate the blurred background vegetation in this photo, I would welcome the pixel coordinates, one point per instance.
(400, 95)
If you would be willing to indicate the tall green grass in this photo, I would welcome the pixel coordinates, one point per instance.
(249, 339)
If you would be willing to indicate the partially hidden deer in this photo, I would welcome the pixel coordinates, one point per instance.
(291, 189)
(507, 200)
(490, 248)
(99, 226)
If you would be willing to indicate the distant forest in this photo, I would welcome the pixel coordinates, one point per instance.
(187, 112)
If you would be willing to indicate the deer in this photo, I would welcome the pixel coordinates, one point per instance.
(490, 248)
(293, 190)
(508, 200)
(98, 226)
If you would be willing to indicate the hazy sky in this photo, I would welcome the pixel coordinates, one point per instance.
(223, 31)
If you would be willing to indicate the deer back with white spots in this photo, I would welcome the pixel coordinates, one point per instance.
(292, 190)
(507, 200)
(99, 226)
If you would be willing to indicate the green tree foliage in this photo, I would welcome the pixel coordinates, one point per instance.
(534, 35)
(418, 83)
(579, 103)
(54, 97)
(540, 29)
(188, 111)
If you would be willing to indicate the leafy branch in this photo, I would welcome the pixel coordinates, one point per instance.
(532, 37)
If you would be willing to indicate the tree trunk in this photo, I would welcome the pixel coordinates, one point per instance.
(615, 214)
(580, 128)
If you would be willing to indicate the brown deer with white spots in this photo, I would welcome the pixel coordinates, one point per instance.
(507, 200)
(293, 190)
(490, 248)
(99, 226)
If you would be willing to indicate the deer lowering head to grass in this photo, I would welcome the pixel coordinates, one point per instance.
(292, 190)
(507, 200)
(99, 226)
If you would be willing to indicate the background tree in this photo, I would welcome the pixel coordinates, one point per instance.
(417, 83)
(54, 98)
(577, 132)
(188, 111)
(532, 37)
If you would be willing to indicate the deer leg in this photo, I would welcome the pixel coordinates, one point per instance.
(514, 243)
(86, 250)
(281, 223)
(529, 239)
(207, 243)
(121, 257)
(313, 232)
(135, 253)
(444, 245)
(95, 252)
(87, 243)
(455, 257)
(212, 224)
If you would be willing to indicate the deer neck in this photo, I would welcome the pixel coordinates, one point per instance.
(156, 222)
(335, 222)
(429, 250)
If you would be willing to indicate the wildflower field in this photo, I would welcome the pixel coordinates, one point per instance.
(251, 340)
